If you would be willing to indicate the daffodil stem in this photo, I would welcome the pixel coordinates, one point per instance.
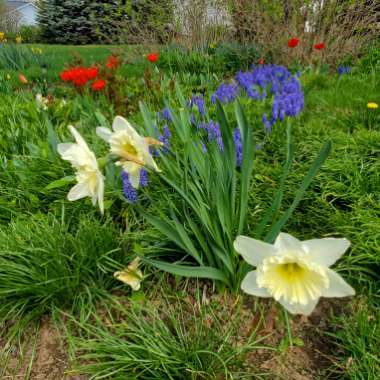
(288, 328)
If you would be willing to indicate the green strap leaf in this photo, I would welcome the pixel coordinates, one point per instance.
(188, 271)
(318, 162)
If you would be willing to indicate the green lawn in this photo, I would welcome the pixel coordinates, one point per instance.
(57, 258)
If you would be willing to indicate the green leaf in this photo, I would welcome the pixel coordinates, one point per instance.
(63, 182)
(318, 162)
(188, 271)
(273, 209)
(247, 165)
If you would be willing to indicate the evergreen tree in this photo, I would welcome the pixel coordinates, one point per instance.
(78, 21)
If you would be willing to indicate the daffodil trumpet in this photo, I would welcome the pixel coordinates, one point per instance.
(295, 273)
(131, 149)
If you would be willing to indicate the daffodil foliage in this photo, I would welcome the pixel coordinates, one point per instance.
(212, 181)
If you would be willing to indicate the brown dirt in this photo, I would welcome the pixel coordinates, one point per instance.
(308, 359)
(46, 351)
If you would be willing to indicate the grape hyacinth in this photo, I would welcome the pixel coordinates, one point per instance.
(165, 115)
(129, 191)
(225, 93)
(280, 83)
(165, 138)
(213, 133)
(199, 102)
(344, 70)
(238, 147)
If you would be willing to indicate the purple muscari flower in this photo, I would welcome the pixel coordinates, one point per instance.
(259, 146)
(165, 138)
(204, 147)
(193, 121)
(201, 105)
(267, 123)
(344, 70)
(144, 178)
(166, 114)
(238, 147)
(225, 93)
(129, 191)
(286, 89)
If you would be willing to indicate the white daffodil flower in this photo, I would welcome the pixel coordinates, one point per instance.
(89, 177)
(132, 275)
(131, 148)
(295, 273)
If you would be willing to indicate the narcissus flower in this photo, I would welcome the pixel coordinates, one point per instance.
(2, 36)
(98, 85)
(295, 273)
(89, 177)
(293, 42)
(18, 40)
(42, 102)
(131, 148)
(152, 57)
(372, 105)
(132, 275)
(319, 46)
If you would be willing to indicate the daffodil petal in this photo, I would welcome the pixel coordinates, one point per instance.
(100, 193)
(79, 191)
(104, 133)
(122, 124)
(78, 138)
(338, 287)
(326, 251)
(298, 308)
(287, 243)
(249, 285)
(253, 251)
(63, 148)
(134, 178)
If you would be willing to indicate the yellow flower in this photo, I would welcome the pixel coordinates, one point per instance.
(131, 148)
(132, 275)
(372, 105)
(18, 40)
(295, 273)
(2, 35)
(89, 177)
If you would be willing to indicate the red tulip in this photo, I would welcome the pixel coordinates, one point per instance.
(261, 61)
(112, 62)
(319, 46)
(98, 85)
(152, 57)
(293, 42)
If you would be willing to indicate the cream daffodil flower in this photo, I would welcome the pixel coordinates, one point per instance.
(132, 275)
(295, 273)
(89, 177)
(131, 148)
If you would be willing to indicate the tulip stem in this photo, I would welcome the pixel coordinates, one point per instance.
(288, 328)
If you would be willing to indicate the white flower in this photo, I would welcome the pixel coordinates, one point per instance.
(42, 102)
(295, 273)
(131, 148)
(132, 275)
(90, 179)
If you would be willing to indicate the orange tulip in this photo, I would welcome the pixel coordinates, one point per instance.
(22, 79)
